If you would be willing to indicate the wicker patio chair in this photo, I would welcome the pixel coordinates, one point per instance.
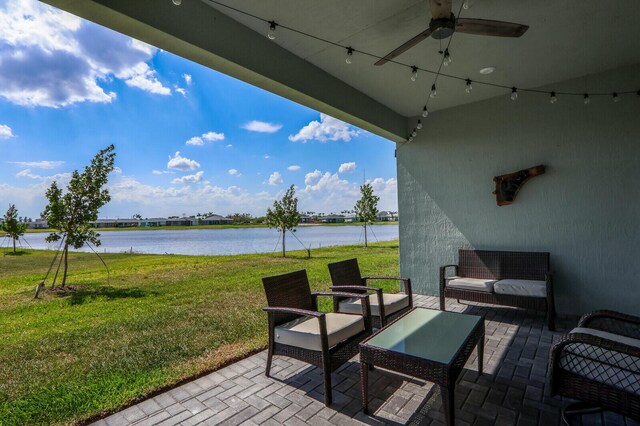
(598, 363)
(298, 330)
(345, 275)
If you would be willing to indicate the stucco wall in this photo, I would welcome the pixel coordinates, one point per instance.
(585, 210)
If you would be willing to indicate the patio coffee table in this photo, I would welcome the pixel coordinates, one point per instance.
(428, 344)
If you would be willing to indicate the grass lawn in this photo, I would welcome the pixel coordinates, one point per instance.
(158, 320)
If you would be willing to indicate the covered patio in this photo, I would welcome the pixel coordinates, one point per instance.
(565, 94)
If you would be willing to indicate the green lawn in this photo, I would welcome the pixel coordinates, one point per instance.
(158, 320)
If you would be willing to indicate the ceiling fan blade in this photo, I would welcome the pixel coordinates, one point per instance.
(404, 47)
(490, 28)
(440, 9)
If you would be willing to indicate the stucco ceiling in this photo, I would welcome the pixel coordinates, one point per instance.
(566, 39)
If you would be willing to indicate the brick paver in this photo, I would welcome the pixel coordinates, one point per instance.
(513, 390)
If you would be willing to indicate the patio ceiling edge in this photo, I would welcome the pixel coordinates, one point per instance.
(204, 35)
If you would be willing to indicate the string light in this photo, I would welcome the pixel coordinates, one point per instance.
(469, 87)
(414, 73)
(272, 30)
(349, 55)
(514, 94)
(419, 125)
(447, 58)
(425, 112)
(414, 133)
(177, 2)
(466, 4)
(410, 138)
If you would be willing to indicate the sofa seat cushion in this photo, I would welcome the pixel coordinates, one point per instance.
(529, 288)
(392, 304)
(616, 369)
(478, 284)
(305, 332)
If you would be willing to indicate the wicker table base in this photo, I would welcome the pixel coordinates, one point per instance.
(432, 366)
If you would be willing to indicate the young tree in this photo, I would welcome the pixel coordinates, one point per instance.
(366, 207)
(284, 216)
(70, 213)
(13, 228)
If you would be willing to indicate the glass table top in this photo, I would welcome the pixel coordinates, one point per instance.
(427, 333)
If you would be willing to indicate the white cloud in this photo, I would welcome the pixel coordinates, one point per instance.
(5, 132)
(233, 172)
(327, 129)
(26, 173)
(267, 156)
(163, 172)
(181, 163)
(347, 167)
(293, 168)
(228, 146)
(187, 79)
(275, 179)
(52, 58)
(309, 178)
(184, 180)
(39, 164)
(181, 90)
(209, 137)
(261, 126)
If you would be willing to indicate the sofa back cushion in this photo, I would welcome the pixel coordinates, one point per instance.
(498, 265)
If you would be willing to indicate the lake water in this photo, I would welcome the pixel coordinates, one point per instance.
(226, 241)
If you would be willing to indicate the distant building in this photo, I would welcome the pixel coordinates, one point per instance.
(38, 224)
(386, 216)
(216, 220)
(182, 221)
(305, 218)
(333, 218)
(154, 221)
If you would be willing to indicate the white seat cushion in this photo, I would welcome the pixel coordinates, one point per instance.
(305, 332)
(392, 303)
(478, 284)
(601, 365)
(528, 288)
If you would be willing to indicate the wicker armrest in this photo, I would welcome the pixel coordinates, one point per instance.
(444, 267)
(612, 322)
(366, 308)
(355, 288)
(589, 339)
(406, 282)
(302, 312)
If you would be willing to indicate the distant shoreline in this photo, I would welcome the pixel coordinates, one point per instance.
(194, 227)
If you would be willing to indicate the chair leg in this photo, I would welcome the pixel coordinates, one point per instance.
(267, 371)
(551, 320)
(326, 367)
(441, 301)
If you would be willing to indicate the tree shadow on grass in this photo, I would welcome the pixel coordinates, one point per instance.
(17, 253)
(87, 294)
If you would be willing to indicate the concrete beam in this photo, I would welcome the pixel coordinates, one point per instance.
(204, 35)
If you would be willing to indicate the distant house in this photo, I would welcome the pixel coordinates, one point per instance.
(216, 220)
(386, 216)
(350, 218)
(305, 218)
(182, 221)
(333, 218)
(38, 224)
(154, 221)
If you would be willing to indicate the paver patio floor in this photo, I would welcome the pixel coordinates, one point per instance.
(512, 391)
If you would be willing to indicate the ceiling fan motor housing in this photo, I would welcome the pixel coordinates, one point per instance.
(443, 27)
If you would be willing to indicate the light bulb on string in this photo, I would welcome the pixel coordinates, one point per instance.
(425, 112)
(271, 34)
(414, 133)
(447, 58)
(587, 99)
(419, 125)
(469, 87)
(414, 73)
(410, 138)
(553, 99)
(514, 94)
(466, 4)
(433, 93)
(177, 2)
(348, 59)
(616, 98)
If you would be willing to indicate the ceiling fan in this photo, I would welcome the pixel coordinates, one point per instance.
(444, 23)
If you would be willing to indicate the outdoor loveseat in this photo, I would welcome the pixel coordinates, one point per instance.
(598, 363)
(519, 279)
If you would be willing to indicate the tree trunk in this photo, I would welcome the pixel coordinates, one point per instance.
(65, 255)
(283, 250)
(365, 235)
(14, 246)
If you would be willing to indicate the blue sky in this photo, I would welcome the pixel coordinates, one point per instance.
(188, 139)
